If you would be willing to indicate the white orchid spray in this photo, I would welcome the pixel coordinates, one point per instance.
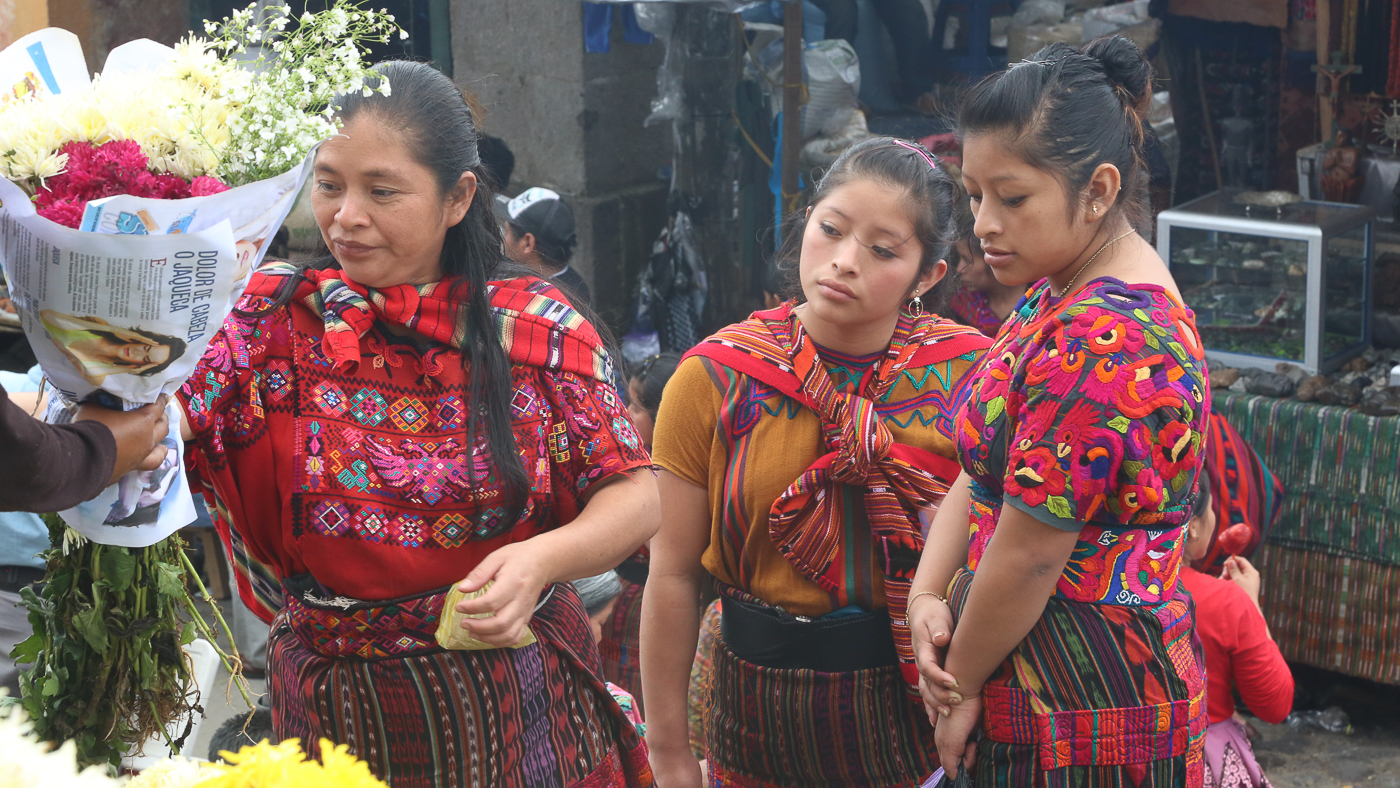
(288, 103)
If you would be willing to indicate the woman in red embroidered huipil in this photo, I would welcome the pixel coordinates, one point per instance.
(376, 426)
(1053, 562)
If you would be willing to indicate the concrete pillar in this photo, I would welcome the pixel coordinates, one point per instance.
(103, 25)
(574, 122)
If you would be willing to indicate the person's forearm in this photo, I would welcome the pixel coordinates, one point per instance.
(670, 631)
(617, 519)
(50, 468)
(945, 550)
(1015, 579)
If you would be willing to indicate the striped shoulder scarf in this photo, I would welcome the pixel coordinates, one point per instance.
(534, 321)
(899, 480)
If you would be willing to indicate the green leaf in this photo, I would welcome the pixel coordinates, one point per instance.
(1120, 423)
(118, 568)
(1141, 315)
(994, 408)
(188, 634)
(168, 581)
(1133, 468)
(58, 584)
(51, 687)
(1151, 340)
(90, 625)
(28, 649)
(1060, 507)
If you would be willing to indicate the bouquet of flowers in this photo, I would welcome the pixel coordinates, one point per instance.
(134, 206)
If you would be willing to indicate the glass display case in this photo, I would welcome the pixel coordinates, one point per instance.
(1287, 283)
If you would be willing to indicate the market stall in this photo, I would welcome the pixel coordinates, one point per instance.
(1331, 565)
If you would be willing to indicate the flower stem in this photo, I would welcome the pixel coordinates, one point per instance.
(235, 669)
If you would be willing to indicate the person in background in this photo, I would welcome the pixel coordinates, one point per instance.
(982, 302)
(622, 659)
(497, 161)
(599, 595)
(539, 233)
(796, 448)
(1047, 610)
(1240, 655)
(49, 468)
(915, 52)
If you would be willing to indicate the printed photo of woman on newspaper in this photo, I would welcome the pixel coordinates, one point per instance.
(98, 349)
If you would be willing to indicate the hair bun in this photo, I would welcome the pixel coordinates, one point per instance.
(1127, 70)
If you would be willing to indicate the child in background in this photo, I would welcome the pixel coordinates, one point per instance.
(621, 657)
(1239, 651)
(599, 595)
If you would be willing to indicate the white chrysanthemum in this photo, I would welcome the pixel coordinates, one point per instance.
(172, 773)
(38, 164)
(26, 762)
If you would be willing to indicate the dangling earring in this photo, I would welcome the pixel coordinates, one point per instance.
(915, 307)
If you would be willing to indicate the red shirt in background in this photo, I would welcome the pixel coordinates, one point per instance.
(1238, 651)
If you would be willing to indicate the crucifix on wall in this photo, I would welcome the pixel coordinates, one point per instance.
(1334, 72)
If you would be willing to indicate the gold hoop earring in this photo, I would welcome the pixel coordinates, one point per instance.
(915, 307)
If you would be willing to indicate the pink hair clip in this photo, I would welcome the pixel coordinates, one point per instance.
(928, 157)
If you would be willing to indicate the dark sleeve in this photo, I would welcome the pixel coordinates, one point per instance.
(48, 468)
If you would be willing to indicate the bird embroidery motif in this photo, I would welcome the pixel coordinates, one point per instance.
(427, 471)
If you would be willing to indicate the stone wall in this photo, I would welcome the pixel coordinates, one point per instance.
(574, 122)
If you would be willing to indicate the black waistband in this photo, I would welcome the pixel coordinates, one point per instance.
(13, 578)
(773, 638)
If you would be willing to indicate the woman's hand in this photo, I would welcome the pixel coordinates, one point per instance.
(1242, 573)
(931, 626)
(518, 577)
(677, 769)
(954, 736)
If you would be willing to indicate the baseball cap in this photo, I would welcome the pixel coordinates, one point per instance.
(541, 212)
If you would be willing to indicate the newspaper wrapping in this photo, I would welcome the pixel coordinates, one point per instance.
(121, 310)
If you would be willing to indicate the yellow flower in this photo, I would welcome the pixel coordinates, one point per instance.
(285, 766)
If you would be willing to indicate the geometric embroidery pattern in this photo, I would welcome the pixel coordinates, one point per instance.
(372, 524)
(368, 633)
(408, 530)
(329, 398)
(449, 413)
(451, 530)
(409, 414)
(368, 407)
(331, 518)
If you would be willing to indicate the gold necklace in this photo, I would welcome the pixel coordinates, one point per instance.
(1070, 283)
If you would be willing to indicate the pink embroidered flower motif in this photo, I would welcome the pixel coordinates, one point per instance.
(1105, 333)
(1145, 493)
(1174, 450)
(1035, 475)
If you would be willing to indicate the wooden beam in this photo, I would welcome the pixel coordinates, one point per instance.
(792, 99)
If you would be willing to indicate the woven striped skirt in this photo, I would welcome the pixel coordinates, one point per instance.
(768, 727)
(534, 716)
(1096, 696)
